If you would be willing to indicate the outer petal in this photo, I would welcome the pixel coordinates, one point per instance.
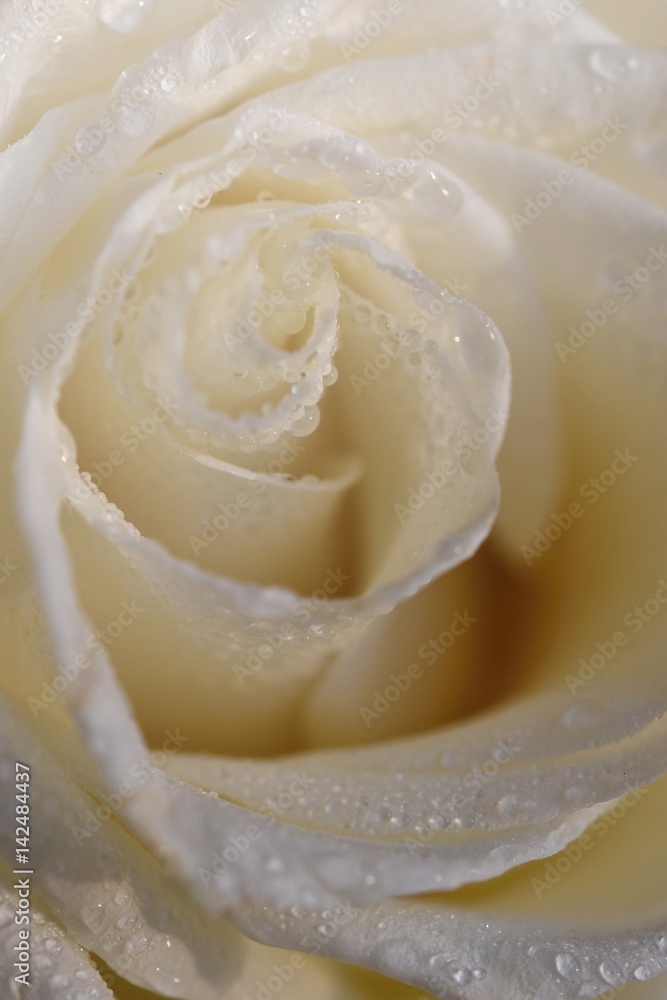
(108, 893)
(59, 969)
(520, 937)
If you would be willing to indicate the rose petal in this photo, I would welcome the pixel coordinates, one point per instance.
(501, 938)
(58, 968)
(104, 888)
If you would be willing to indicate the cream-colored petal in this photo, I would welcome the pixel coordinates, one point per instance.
(111, 896)
(570, 749)
(600, 924)
(56, 967)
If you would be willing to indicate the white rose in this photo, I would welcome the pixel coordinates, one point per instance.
(264, 684)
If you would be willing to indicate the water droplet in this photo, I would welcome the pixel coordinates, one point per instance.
(439, 961)
(124, 16)
(460, 974)
(410, 339)
(509, 804)
(93, 917)
(643, 972)
(307, 423)
(607, 63)
(568, 965)
(435, 195)
(611, 971)
(580, 716)
(479, 974)
(274, 865)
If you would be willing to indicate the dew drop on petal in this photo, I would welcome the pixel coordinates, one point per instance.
(568, 965)
(274, 865)
(611, 971)
(460, 974)
(580, 716)
(509, 804)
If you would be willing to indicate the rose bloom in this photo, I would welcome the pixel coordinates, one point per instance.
(333, 558)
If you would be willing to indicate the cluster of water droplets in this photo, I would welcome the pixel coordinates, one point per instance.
(590, 970)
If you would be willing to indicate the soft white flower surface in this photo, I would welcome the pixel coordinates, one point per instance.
(333, 557)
